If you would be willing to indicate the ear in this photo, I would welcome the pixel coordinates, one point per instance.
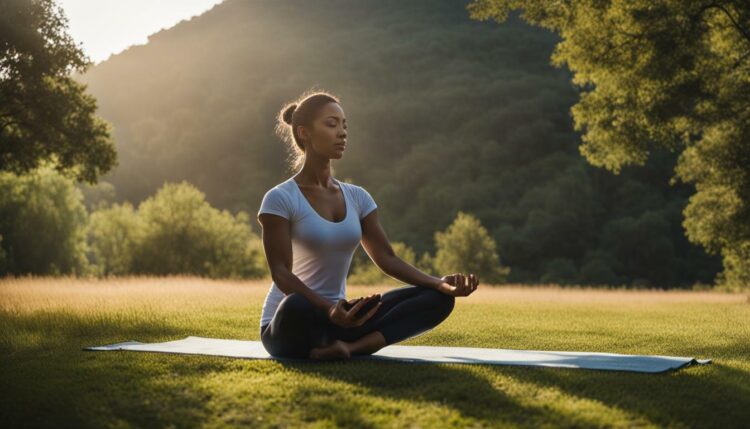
(302, 132)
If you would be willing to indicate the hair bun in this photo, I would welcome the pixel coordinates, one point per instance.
(287, 116)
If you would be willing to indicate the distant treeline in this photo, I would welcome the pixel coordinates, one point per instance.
(445, 114)
(46, 229)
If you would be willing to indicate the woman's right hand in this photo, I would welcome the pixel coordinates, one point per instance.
(339, 315)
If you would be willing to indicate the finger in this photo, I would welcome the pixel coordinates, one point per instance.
(370, 313)
(359, 305)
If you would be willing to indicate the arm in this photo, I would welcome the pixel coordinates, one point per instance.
(376, 244)
(277, 244)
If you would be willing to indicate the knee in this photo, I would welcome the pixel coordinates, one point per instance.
(444, 303)
(294, 306)
(283, 349)
(295, 301)
(448, 302)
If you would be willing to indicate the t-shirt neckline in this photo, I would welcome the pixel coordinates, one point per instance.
(346, 202)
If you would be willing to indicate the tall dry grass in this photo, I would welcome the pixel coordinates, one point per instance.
(186, 292)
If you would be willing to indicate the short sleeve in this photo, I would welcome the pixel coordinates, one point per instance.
(366, 202)
(276, 202)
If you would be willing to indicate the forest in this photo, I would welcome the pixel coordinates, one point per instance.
(446, 114)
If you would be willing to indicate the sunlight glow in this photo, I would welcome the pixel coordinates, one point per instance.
(106, 27)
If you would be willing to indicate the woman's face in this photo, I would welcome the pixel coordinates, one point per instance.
(328, 137)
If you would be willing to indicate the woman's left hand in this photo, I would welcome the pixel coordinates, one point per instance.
(459, 285)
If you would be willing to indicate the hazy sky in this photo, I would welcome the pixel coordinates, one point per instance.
(105, 27)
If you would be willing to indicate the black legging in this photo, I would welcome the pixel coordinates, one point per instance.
(298, 326)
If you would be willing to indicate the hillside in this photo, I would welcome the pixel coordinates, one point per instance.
(444, 113)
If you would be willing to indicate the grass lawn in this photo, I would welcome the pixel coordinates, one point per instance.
(48, 381)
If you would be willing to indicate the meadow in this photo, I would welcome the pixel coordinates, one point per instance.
(47, 380)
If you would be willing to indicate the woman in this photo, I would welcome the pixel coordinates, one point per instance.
(312, 224)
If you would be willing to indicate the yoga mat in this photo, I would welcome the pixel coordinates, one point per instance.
(436, 354)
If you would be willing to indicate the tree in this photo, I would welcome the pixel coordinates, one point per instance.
(466, 247)
(665, 73)
(182, 234)
(44, 113)
(42, 224)
(114, 233)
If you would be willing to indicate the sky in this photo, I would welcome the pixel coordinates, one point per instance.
(105, 27)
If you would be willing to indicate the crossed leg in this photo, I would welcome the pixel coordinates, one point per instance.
(300, 330)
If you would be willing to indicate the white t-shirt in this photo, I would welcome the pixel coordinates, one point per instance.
(322, 250)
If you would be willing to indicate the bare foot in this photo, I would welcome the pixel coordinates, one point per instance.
(336, 350)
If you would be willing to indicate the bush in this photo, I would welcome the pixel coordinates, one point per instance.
(113, 233)
(42, 224)
(466, 247)
(181, 233)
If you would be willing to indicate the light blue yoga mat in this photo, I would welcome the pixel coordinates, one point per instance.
(435, 354)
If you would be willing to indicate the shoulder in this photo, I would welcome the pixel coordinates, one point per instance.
(352, 187)
(281, 189)
(349, 186)
(356, 191)
(278, 200)
(364, 201)
(277, 192)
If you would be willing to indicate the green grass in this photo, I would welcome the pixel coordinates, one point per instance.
(47, 380)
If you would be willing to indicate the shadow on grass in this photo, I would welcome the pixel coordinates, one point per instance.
(49, 381)
(451, 386)
(713, 395)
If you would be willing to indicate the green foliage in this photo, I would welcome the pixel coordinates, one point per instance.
(465, 246)
(114, 234)
(99, 194)
(642, 247)
(558, 271)
(367, 273)
(480, 122)
(182, 233)
(598, 268)
(45, 229)
(4, 263)
(45, 115)
(42, 224)
(426, 263)
(718, 215)
(670, 74)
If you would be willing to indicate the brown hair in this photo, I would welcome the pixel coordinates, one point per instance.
(301, 111)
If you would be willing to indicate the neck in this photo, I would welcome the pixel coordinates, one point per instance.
(312, 175)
